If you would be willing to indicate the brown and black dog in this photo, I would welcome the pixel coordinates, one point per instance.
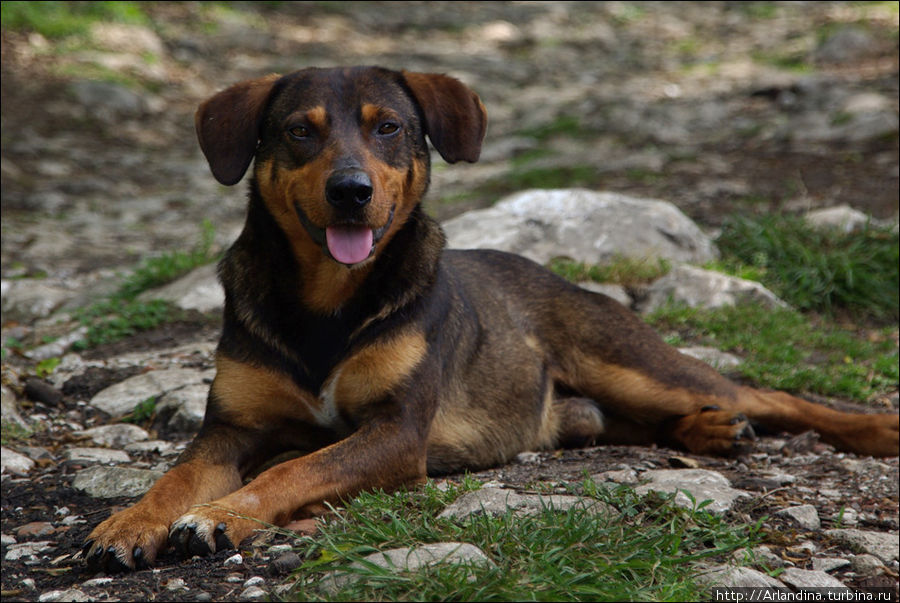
(352, 336)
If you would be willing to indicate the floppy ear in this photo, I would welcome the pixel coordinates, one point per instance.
(455, 118)
(228, 127)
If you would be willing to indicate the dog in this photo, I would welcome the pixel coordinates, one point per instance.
(352, 336)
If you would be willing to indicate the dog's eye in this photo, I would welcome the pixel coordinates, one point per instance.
(299, 132)
(388, 128)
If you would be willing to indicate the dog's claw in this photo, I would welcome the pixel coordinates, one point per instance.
(222, 541)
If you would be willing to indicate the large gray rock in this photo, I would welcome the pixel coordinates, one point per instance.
(27, 299)
(883, 545)
(739, 577)
(842, 217)
(800, 579)
(699, 288)
(120, 399)
(586, 226)
(700, 483)
(110, 482)
(497, 501)
(197, 290)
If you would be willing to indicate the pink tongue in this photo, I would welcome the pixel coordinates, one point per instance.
(349, 244)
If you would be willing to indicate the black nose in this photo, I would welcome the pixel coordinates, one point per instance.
(348, 189)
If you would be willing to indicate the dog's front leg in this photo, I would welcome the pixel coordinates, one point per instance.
(209, 468)
(386, 453)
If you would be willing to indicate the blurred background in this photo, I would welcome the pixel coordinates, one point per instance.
(719, 107)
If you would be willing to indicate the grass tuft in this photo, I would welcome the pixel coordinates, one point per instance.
(646, 552)
(59, 19)
(620, 270)
(783, 349)
(822, 270)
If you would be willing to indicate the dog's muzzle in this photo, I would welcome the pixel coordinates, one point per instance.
(347, 243)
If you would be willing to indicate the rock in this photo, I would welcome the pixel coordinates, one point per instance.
(236, 559)
(24, 300)
(804, 516)
(253, 593)
(738, 577)
(117, 435)
(828, 564)
(617, 292)
(35, 529)
(108, 100)
(27, 550)
(97, 581)
(760, 555)
(57, 347)
(285, 563)
(120, 399)
(186, 406)
(846, 43)
(7, 539)
(154, 446)
(197, 290)
(497, 501)
(39, 390)
(699, 288)
(528, 458)
(254, 581)
(72, 594)
(110, 482)
(9, 408)
(412, 559)
(176, 584)
(586, 226)
(865, 564)
(622, 476)
(96, 455)
(883, 545)
(702, 484)
(799, 579)
(15, 463)
(716, 358)
(842, 217)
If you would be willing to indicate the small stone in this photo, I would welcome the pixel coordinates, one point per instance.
(717, 359)
(497, 501)
(97, 581)
(285, 563)
(865, 564)
(41, 391)
(254, 581)
(72, 594)
(277, 549)
(35, 529)
(253, 593)
(27, 550)
(829, 564)
(235, 559)
(117, 435)
(684, 462)
(202, 596)
(109, 482)
(621, 476)
(528, 458)
(883, 545)
(15, 463)
(96, 455)
(804, 516)
(234, 578)
(28, 583)
(7, 539)
(176, 584)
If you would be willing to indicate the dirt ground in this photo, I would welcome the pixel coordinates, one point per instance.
(696, 103)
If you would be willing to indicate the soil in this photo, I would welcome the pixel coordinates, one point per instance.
(75, 184)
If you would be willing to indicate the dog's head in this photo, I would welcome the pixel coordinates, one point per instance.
(341, 157)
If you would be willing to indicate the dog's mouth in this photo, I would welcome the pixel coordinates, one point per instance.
(347, 243)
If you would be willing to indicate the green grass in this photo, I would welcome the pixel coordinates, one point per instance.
(623, 271)
(122, 315)
(647, 551)
(783, 349)
(820, 270)
(12, 432)
(58, 19)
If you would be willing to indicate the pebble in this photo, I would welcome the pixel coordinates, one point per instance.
(253, 593)
(865, 564)
(285, 563)
(235, 559)
(73, 594)
(804, 516)
(254, 581)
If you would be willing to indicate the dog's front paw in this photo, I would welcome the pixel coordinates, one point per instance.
(130, 539)
(207, 529)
